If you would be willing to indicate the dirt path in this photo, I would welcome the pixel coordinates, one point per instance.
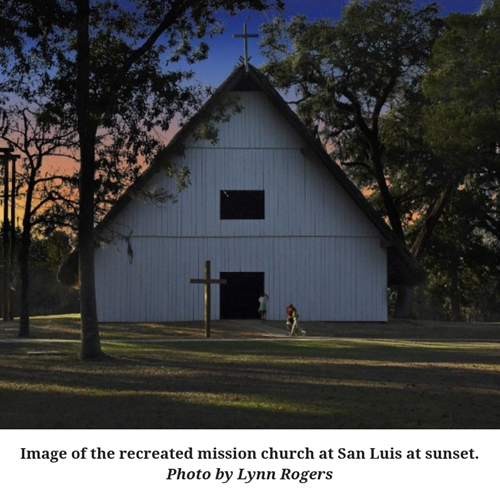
(68, 329)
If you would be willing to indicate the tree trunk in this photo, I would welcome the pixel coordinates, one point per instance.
(404, 302)
(405, 295)
(454, 292)
(24, 313)
(24, 256)
(87, 130)
(86, 247)
(378, 169)
(390, 207)
(432, 218)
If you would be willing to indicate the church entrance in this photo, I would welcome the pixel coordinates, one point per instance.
(239, 298)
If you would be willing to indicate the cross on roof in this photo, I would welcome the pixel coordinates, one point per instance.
(245, 37)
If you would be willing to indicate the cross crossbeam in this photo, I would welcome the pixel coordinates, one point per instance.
(207, 281)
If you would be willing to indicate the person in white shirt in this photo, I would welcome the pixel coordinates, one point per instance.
(263, 306)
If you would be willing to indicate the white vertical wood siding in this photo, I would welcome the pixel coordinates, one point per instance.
(315, 246)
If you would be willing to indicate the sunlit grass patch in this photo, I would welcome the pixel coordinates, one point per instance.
(251, 383)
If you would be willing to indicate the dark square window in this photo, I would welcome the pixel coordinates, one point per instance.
(242, 205)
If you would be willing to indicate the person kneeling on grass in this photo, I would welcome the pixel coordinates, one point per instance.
(292, 321)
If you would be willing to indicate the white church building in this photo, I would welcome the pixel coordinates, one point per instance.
(267, 207)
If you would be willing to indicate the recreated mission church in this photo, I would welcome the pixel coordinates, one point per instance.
(270, 210)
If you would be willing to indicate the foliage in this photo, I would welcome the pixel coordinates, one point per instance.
(463, 83)
(347, 74)
(109, 69)
(465, 264)
(46, 294)
(463, 121)
(360, 81)
(415, 173)
(358, 84)
(462, 125)
(45, 191)
(46, 195)
(137, 85)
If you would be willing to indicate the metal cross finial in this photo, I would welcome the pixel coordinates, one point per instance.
(245, 37)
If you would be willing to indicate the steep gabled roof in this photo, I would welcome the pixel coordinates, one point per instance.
(402, 266)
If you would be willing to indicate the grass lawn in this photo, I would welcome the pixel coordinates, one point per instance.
(399, 375)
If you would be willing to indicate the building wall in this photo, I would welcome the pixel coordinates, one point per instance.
(316, 247)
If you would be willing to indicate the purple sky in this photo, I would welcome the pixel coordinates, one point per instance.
(225, 50)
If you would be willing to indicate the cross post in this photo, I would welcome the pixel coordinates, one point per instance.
(245, 37)
(207, 281)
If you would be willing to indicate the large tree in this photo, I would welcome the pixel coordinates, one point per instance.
(463, 262)
(463, 119)
(40, 186)
(462, 123)
(348, 75)
(114, 66)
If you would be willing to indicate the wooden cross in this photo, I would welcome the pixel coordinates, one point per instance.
(207, 281)
(245, 37)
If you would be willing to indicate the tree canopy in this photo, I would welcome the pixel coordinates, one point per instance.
(462, 126)
(110, 70)
(463, 117)
(348, 73)
(357, 81)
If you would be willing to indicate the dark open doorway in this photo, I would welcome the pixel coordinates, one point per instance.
(239, 298)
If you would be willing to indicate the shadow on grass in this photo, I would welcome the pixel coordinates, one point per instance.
(340, 384)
